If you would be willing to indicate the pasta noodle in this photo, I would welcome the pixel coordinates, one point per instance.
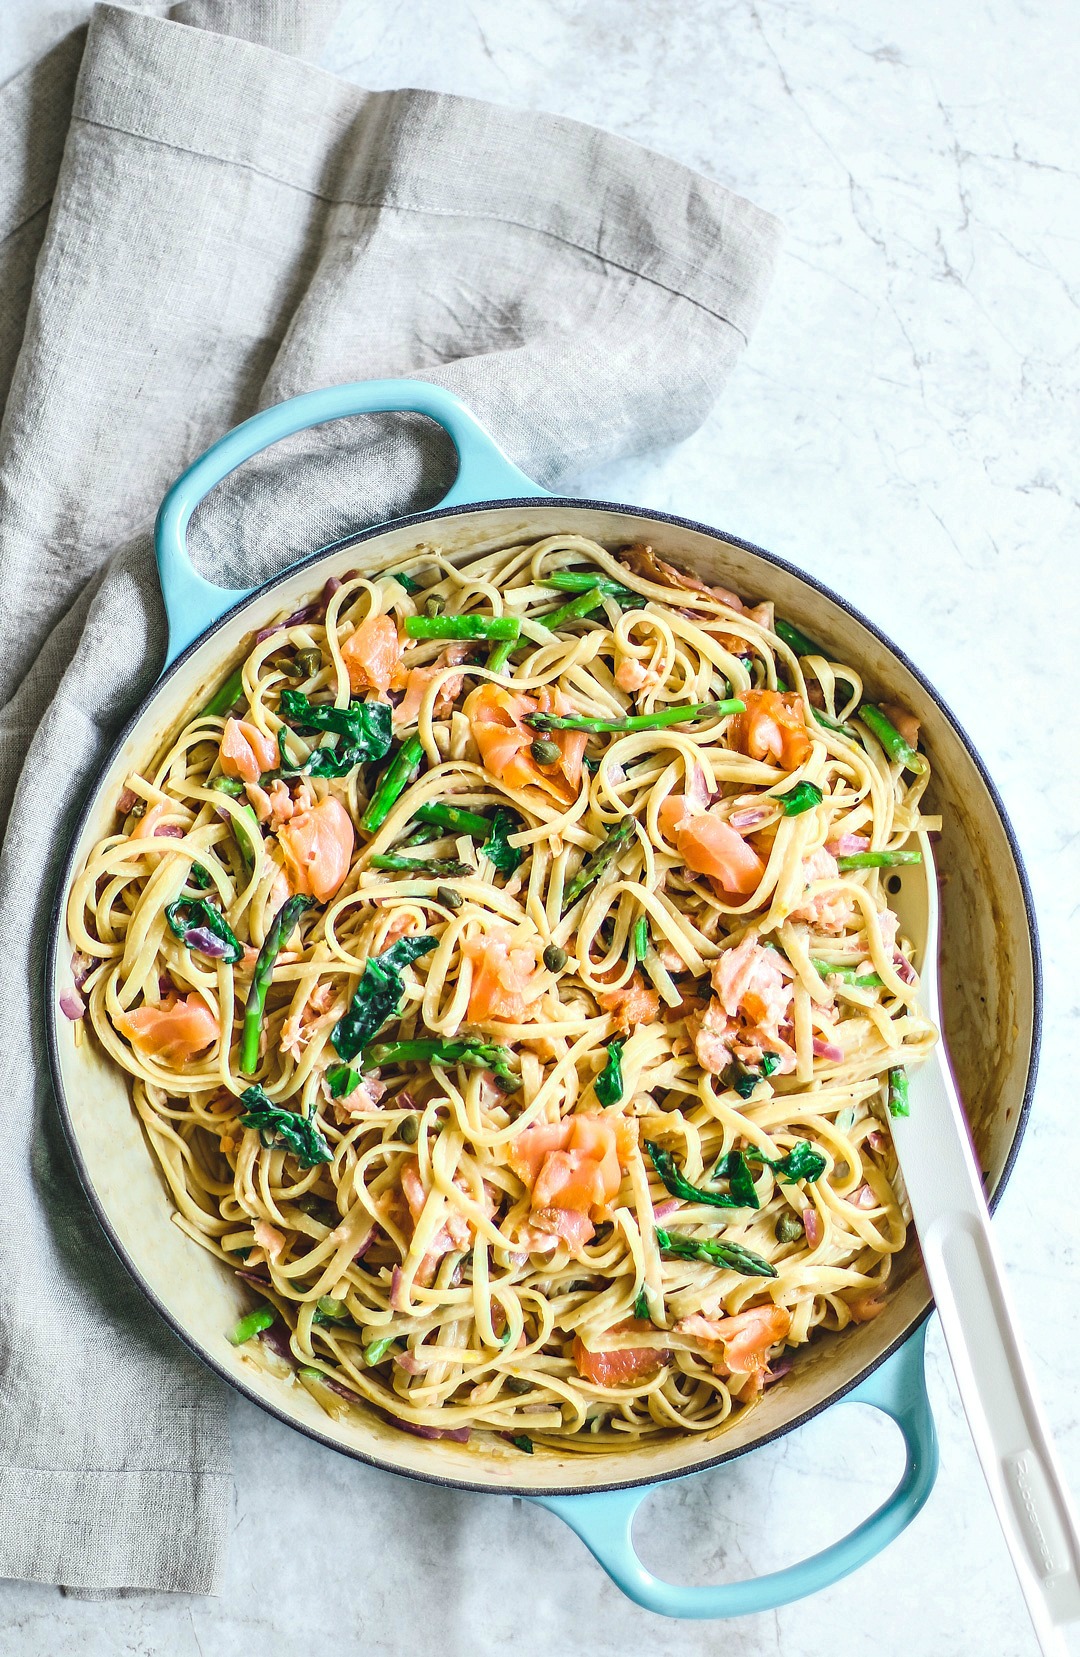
(536, 1078)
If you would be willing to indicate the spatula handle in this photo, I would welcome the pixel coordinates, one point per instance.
(965, 1271)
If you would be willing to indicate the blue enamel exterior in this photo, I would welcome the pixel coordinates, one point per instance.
(603, 1519)
(192, 603)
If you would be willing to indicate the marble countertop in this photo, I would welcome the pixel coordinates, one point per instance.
(904, 427)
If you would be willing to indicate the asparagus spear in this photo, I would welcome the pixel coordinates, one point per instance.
(463, 627)
(575, 609)
(877, 860)
(848, 975)
(635, 722)
(796, 640)
(890, 738)
(393, 782)
(732, 1255)
(224, 697)
(280, 928)
(595, 865)
(442, 868)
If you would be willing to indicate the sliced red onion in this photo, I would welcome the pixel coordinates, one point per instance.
(877, 1141)
(81, 967)
(697, 787)
(904, 969)
(409, 1362)
(749, 817)
(828, 1050)
(366, 1244)
(206, 942)
(459, 1435)
(72, 1005)
(276, 1338)
(342, 1391)
(846, 844)
(397, 1302)
(661, 1210)
(313, 611)
(811, 1220)
(257, 1276)
(169, 831)
(127, 799)
(864, 1197)
(778, 1369)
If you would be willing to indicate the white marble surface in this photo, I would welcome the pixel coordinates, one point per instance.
(904, 425)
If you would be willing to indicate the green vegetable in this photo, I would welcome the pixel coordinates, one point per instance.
(641, 937)
(445, 868)
(434, 605)
(497, 847)
(463, 627)
(585, 581)
(641, 1306)
(375, 1351)
(409, 1131)
(609, 1084)
(848, 975)
(329, 1310)
(745, 1077)
(342, 1080)
(732, 1255)
(545, 752)
(447, 896)
(278, 931)
(801, 1162)
(555, 958)
(889, 737)
(228, 785)
(831, 724)
(308, 662)
(789, 1227)
(285, 1129)
(377, 997)
(637, 721)
(594, 865)
(732, 1168)
(189, 916)
(454, 818)
(575, 609)
(877, 860)
(518, 1384)
(407, 582)
(803, 797)
(393, 782)
(225, 696)
(247, 834)
(470, 1051)
(501, 654)
(795, 640)
(252, 1324)
(366, 726)
(899, 1103)
(522, 1441)
(199, 877)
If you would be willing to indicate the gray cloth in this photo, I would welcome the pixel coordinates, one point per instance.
(229, 225)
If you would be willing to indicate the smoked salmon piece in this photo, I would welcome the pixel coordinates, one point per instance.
(418, 679)
(772, 728)
(636, 1003)
(712, 847)
(174, 1032)
(497, 719)
(505, 976)
(246, 752)
(745, 1338)
(622, 1364)
(643, 561)
(318, 846)
(573, 1170)
(371, 655)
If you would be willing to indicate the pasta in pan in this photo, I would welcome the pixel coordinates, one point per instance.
(504, 965)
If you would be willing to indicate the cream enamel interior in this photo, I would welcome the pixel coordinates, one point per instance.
(987, 980)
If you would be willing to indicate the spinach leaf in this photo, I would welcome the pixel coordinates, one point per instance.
(505, 857)
(745, 1077)
(378, 995)
(342, 1080)
(641, 1307)
(471, 1051)
(366, 726)
(285, 1129)
(803, 797)
(801, 1162)
(201, 926)
(609, 1084)
(731, 1168)
(732, 1255)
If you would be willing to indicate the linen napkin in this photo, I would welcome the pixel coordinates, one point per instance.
(194, 224)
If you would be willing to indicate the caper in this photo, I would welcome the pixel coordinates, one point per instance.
(518, 1383)
(554, 958)
(409, 1130)
(138, 809)
(448, 897)
(545, 752)
(788, 1227)
(434, 605)
(308, 662)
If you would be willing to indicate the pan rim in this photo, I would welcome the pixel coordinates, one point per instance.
(56, 923)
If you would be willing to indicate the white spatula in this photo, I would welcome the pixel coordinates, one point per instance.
(965, 1271)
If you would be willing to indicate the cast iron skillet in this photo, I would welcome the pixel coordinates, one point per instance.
(990, 983)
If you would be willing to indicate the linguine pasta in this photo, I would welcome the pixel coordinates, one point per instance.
(504, 968)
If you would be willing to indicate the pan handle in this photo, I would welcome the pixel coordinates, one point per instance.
(604, 1520)
(484, 473)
